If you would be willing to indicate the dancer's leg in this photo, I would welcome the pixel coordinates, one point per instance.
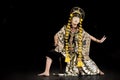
(47, 67)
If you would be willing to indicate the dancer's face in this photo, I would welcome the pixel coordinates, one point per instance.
(75, 20)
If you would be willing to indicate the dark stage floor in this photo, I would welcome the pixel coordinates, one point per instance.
(32, 75)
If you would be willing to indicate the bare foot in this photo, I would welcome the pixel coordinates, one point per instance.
(101, 73)
(43, 74)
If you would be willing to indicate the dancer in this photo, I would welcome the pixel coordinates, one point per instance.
(73, 42)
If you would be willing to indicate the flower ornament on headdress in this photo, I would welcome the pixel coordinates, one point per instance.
(81, 14)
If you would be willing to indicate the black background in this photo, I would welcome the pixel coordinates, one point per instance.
(28, 27)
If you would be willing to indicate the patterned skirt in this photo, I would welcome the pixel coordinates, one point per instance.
(89, 68)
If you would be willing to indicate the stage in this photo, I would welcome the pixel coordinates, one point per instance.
(13, 74)
(27, 34)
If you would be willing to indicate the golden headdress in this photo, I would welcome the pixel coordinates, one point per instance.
(78, 10)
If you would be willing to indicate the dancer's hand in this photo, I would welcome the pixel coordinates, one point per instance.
(102, 39)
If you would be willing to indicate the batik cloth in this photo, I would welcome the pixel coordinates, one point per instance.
(90, 67)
